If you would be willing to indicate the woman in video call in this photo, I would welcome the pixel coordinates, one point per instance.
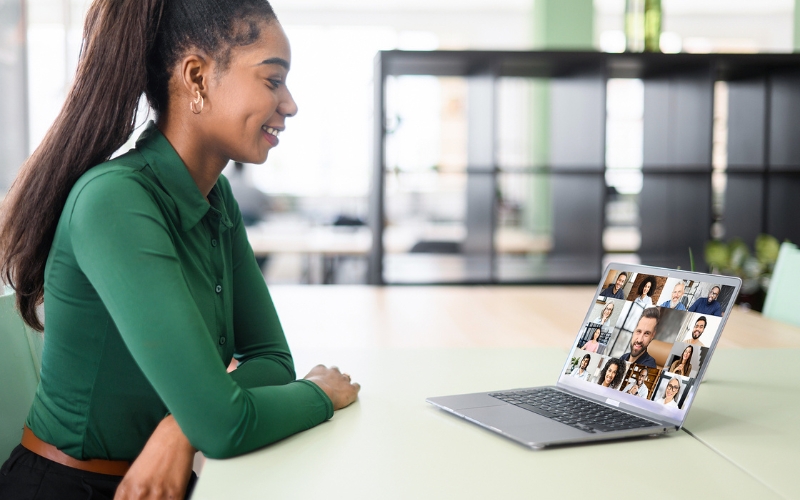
(682, 366)
(604, 320)
(151, 287)
(612, 373)
(645, 291)
(643, 300)
(671, 393)
(638, 387)
(581, 371)
(605, 317)
(593, 344)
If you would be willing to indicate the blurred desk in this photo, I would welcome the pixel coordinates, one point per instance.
(407, 343)
(320, 246)
(323, 246)
(266, 238)
(322, 240)
(358, 317)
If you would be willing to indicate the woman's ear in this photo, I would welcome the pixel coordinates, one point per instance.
(194, 74)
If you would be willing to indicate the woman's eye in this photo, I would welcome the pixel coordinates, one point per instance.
(274, 84)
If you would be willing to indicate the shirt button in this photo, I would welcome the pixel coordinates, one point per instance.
(218, 288)
(222, 341)
(213, 243)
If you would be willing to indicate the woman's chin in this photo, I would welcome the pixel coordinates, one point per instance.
(255, 159)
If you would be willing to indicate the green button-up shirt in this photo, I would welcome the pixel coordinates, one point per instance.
(149, 292)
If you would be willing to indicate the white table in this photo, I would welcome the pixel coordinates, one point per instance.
(407, 343)
(391, 444)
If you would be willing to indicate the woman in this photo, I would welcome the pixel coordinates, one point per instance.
(592, 344)
(643, 300)
(612, 373)
(605, 317)
(580, 372)
(150, 284)
(671, 393)
(638, 387)
(682, 366)
(604, 320)
(645, 291)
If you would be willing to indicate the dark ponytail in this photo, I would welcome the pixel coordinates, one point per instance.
(129, 49)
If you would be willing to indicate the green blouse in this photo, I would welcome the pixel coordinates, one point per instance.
(149, 292)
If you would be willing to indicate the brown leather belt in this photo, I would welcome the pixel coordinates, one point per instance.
(50, 452)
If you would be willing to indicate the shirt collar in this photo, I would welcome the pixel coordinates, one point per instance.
(173, 175)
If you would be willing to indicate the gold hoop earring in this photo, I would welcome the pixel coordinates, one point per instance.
(197, 101)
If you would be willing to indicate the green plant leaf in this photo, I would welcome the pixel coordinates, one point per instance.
(739, 254)
(718, 255)
(767, 248)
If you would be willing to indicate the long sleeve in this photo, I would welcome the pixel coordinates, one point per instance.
(127, 250)
(261, 346)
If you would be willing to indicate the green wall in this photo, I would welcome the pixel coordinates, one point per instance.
(563, 24)
(797, 25)
(557, 24)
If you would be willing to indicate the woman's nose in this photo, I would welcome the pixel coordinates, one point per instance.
(288, 107)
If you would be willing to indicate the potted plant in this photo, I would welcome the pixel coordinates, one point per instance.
(755, 268)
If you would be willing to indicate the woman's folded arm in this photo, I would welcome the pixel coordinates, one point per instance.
(122, 244)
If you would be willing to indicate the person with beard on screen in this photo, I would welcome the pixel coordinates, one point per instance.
(643, 334)
(699, 327)
(614, 290)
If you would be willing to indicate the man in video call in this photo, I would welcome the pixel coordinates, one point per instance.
(614, 290)
(677, 294)
(644, 332)
(697, 331)
(708, 305)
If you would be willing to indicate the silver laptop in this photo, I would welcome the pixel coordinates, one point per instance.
(633, 370)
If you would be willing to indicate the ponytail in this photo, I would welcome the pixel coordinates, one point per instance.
(129, 48)
(97, 118)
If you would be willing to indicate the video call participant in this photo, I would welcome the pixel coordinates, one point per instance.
(682, 366)
(581, 372)
(593, 344)
(604, 320)
(642, 301)
(646, 290)
(708, 305)
(677, 294)
(615, 289)
(643, 334)
(670, 398)
(638, 387)
(697, 331)
(612, 373)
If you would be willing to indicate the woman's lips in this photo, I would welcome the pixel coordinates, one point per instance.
(271, 135)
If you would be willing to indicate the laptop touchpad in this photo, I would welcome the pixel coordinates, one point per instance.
(522, 424)
(462, 401)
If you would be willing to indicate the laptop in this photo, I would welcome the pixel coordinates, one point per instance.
(633, 370)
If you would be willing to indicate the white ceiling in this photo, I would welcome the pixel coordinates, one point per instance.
(678, 7)
(719, 7)
(403, 5)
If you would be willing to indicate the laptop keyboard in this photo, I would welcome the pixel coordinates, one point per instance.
(573, 411)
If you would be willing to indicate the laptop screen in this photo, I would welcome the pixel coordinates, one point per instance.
(648, 335)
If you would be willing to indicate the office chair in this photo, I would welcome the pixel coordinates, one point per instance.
(20, 363)
(781, 303)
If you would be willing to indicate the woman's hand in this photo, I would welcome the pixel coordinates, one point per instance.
(163, 468)
(335, 384)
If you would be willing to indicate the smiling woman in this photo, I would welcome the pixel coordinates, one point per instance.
(150, 284)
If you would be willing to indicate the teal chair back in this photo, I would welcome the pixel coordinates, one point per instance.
(781, 302)
(20, 363)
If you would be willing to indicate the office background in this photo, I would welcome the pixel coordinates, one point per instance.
(459, 177)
